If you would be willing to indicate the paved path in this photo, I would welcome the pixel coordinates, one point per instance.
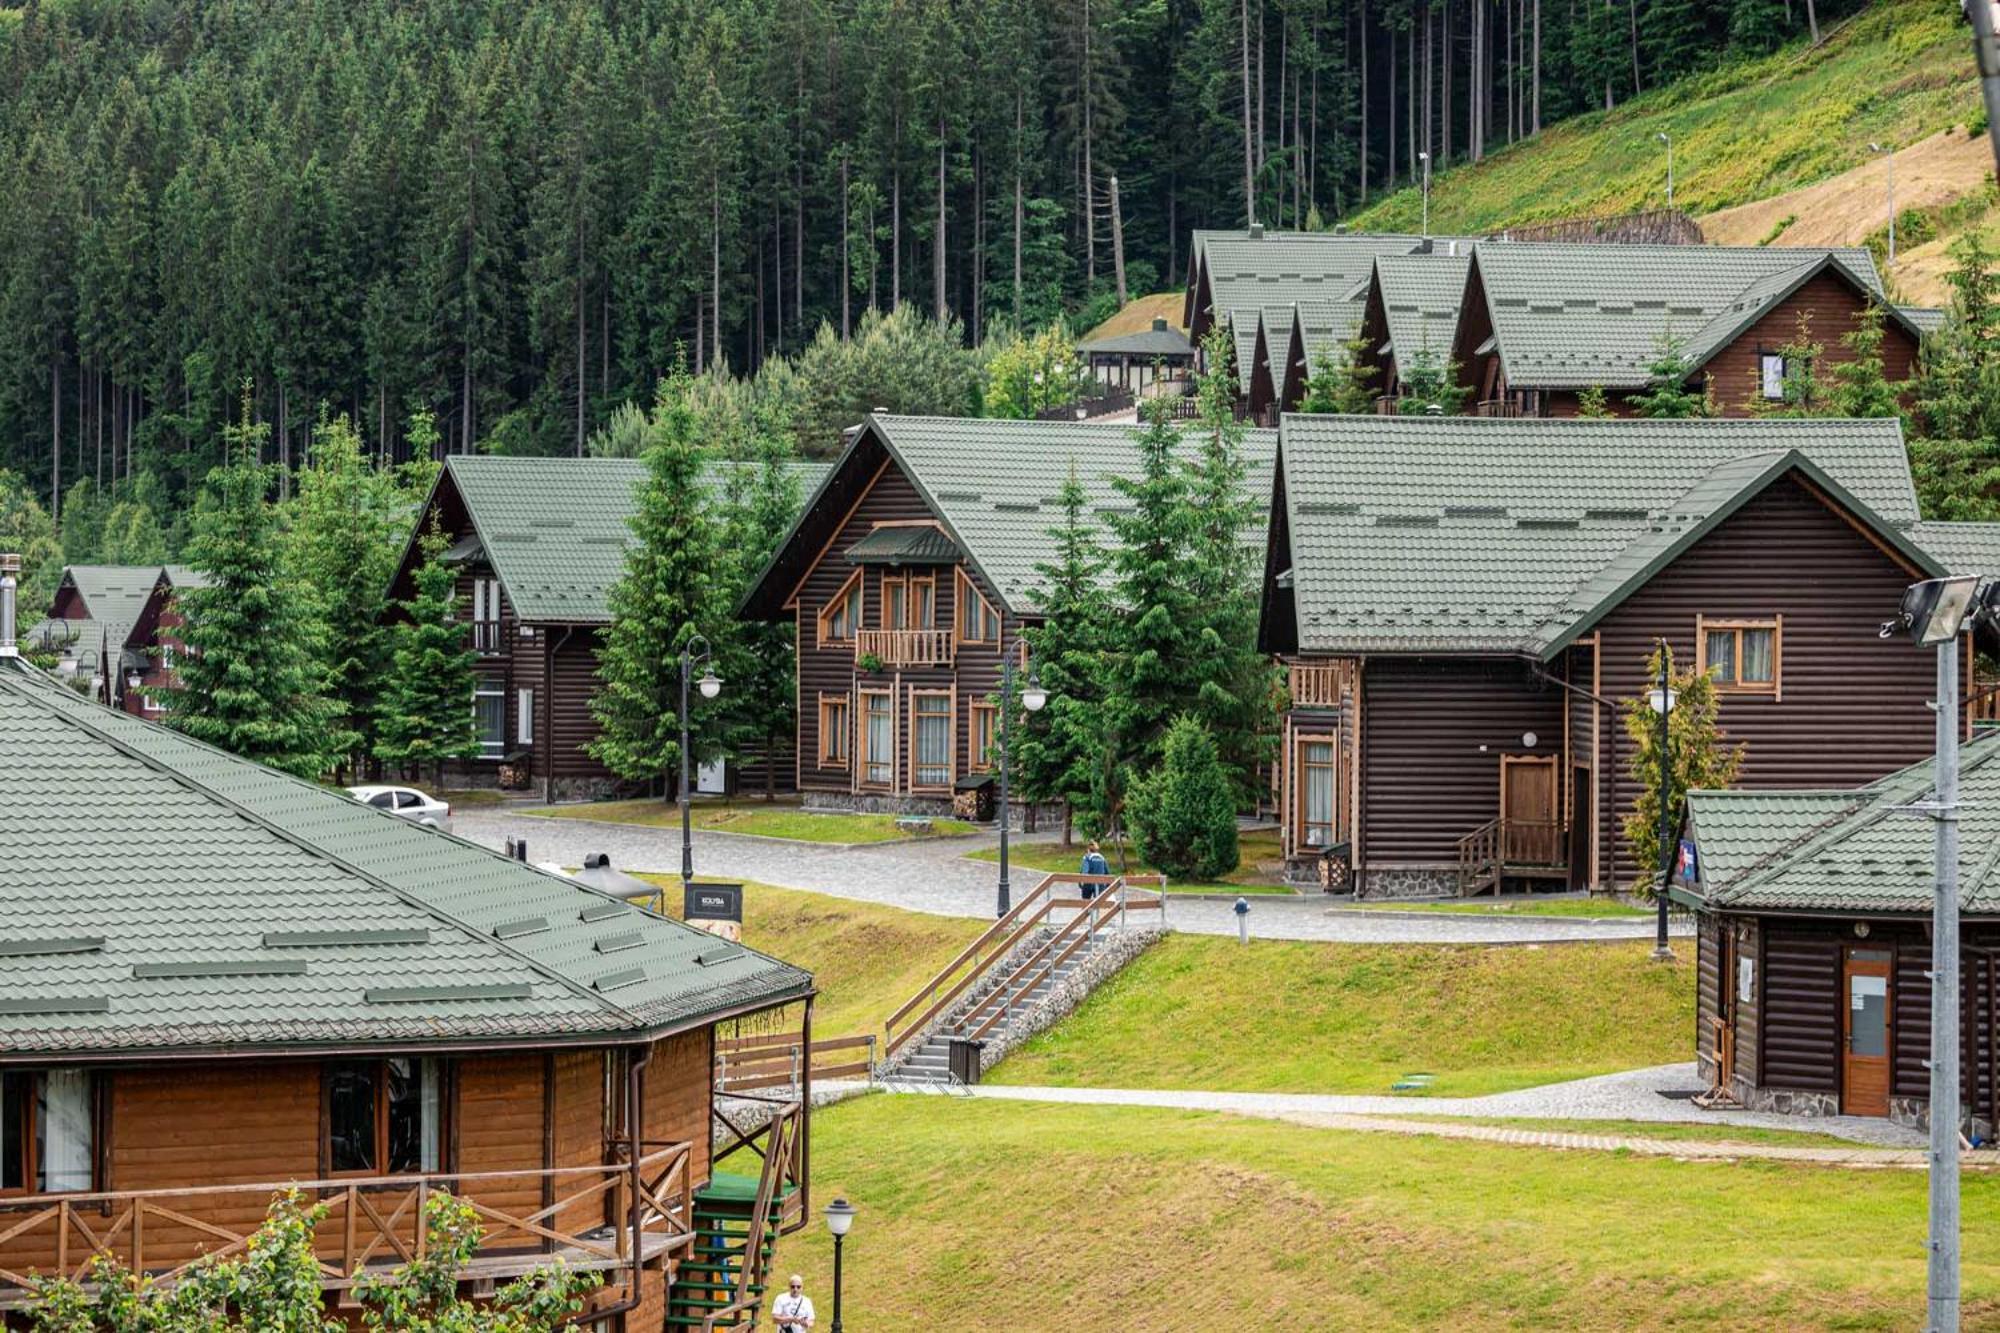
(933, 875)
(1635, 1095)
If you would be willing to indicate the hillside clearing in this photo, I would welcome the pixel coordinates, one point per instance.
(990, 1215)
(1294, 1016)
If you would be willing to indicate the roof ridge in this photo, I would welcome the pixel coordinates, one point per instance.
(82, 723)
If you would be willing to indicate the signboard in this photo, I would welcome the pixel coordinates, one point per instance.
(1685, 869)
(712, 902)
(1746, 980)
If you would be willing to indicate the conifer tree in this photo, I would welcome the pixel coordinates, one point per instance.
(1061, 751)
(1342, 383)
(1669, 397)
(1183, 813)
(426, 705)
(1590, 403)
(1431, 381)
(1698, 758)
(1158, 677)
(673, 590)
(252, 680)
(1859, 387)
(759, 502)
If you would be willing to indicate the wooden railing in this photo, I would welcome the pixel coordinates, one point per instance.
(485, 637)
(583, 1216)
(781, 1182)
(1497, 407)
(1321, 684)
(1498, 846)
(904, 647)
(778, 1060)
(1092, 916)
(978, 959)
(1982, 702)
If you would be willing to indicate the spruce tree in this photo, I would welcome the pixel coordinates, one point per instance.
(1061, 750)
(1431, 381)
(1183, 813)
(252, 680)
(426, 705)
(1669, 397)
(1698, 758)
(1342, 383)
(1859, 387)
(673, 590)
(760, 500)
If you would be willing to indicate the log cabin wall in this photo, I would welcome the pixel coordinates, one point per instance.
(677, 1093)
(1834, 309)
(1744, 1014)
(1850, 707)
(1426, 780)
(1707, 986)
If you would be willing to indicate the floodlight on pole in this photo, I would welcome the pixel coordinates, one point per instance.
(1889, 161)
(1668, 140)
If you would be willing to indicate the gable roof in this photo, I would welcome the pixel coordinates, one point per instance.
(1141, 343)
(1846, 851)
(157, 893)
(1470, 534)
(1421, 295)
(556, 530)
(991, 484)
(1249, 275)
(1962, 547)
(1568, 315)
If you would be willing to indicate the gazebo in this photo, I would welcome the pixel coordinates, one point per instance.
(1136, 362)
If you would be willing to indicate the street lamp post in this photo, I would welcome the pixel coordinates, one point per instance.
(710, 686)
(1662, 701)
(1032, 699)
(1668, 140)
(1425, 158)
(839, 1217)
(1889, 161)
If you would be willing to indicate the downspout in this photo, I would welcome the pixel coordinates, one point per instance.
(634, 1074)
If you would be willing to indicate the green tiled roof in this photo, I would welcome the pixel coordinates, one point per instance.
(1567, 314)
(905, 546)
(1144, 343)
(1926, 319)
(1847, 851)
(1421, 295)
(556, 529)
(1962, 548)
(232, 905)
(1247, 276)
(1469, 534)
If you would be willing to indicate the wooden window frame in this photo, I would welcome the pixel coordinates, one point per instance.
(909, 583)
(845, 703)
(446, 1127)
(31, 1165)
(1774, 688)
(950, 696)
(981, 709)
(852, 592)
(967, 594)
(862, 761)
(1302, 825)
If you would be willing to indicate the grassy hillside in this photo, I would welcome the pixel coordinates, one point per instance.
(984, 1215)
(1897, 73)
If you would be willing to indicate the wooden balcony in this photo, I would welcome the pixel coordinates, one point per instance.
(582, 1215)
(904, 647)
(1497, 407)
(485, 637)
(1321, 684)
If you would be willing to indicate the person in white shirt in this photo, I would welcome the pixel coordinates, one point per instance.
(793, 1311)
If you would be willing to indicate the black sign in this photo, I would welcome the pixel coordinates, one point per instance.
(712, 902)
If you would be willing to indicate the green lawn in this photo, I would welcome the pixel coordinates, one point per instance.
(1297, 1016)
(1655, 1129)
(865, 959)
(1247, 879)
(765, 819)
(988, 1215)
(1514, 906)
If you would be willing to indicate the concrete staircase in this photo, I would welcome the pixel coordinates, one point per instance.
(1021, 986)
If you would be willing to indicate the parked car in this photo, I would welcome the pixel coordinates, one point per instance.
(407, 802)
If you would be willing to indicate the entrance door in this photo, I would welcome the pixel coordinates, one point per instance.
(1528, 810)
(1580, 826)
(1864, 1073)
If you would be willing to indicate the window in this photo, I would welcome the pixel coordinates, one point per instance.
(909, 601)
(384, 1117)
(1741, 655)
(878, 710)
(151, 704)
(524, 712)
(1771, 376)
(977, 621)
(837, 618)
(930, 739)
(489, 719)
(486, 615)
(383, 800)
(1316, 791)
(408, 800)
(47, 1144)
(985, 736)
(833, 721)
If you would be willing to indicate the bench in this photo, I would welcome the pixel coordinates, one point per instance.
(916, 825)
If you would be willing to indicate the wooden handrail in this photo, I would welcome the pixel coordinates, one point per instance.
(905, 647)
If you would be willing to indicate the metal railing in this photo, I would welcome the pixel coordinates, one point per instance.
(371, 1224)
(904, 647)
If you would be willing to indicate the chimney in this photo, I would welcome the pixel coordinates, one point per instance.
(1159, 323)
(10, 582)
(1256, 231)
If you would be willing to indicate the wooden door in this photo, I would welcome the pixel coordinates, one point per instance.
(1580, 826)
(1529, 828)
(1865, 1017)
(1725, 1003)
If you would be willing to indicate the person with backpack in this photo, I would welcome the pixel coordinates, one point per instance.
(1095, 864)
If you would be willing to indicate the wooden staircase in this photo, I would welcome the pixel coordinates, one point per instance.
(712, 1284)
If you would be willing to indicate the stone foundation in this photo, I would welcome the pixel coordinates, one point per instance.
(1379, 882)
(1784, 1101)
(934, 807)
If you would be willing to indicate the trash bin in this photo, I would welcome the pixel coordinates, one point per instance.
(962, 1058)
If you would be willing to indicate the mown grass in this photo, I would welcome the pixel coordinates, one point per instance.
(1302, 1016)
(995, 1215)
(1895, 73)
(1672, 1131)
(1246, 878)
(766, 820)
(866, 959)
(1513, 906)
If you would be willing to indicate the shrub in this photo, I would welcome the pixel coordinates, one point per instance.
(1183, 813)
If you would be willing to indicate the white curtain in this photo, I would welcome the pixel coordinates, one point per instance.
(1757, 655)
(1319, 795)
(428, 1085)
(65, 1130)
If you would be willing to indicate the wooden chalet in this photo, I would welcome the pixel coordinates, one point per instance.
(1813, 912)
(1410, 316)
(1542, 322)
(1465, 603)
(217, 982)
(539, 543)
(909, 575)
(113, 626)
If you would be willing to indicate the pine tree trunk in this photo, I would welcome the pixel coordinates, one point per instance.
(1249, 110)
(1262, 156)
(582, 348)
(55, 441)
(1361, 49)
(978, 311)
(1812, 20)
(846, 253)
(1537, 90)
(1444, 82)
(1117, 243)
(939, 305)
(1089, 184)
(896, 217)
(715, 266)
(1018, 208)
(1632, 16)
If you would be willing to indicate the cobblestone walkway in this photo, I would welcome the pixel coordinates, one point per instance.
(934, 876)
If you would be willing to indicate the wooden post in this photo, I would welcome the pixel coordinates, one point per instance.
(1117, 242)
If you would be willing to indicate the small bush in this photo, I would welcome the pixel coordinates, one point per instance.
(1182, 814)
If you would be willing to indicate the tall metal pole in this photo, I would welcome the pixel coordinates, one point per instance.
(1943, 1309)
(1891, 164)
(1006, 762)
(836, 1282)
(1986, 53)
(1426, 157)
(687, 828)
(1662, 953)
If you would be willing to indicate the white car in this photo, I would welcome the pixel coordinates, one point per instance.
(407, 802)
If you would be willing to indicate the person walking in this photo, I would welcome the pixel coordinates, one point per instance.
(1095, 864)
(793, 1311)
